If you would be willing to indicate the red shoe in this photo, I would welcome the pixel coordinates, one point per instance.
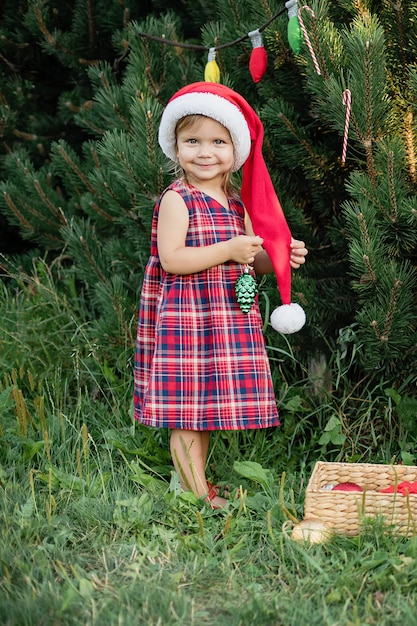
(212, 493)
(212, 487)
(218, 489)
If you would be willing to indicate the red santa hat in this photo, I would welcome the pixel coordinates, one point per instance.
(258, 194)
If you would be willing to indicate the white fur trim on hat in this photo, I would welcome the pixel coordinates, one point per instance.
(210, 105)
(288, 318)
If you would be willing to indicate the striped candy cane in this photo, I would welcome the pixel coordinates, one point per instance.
(347, 100)
(306, 37)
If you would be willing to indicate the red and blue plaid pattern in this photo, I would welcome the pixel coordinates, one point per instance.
(201, 364)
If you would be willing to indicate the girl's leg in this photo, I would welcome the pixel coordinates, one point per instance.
(205, 441)
(189, 450)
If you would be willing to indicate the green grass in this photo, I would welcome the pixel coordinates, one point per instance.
(121, 548)
(93, 528)
(94, 531)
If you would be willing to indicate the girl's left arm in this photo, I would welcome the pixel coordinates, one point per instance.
(263, 264)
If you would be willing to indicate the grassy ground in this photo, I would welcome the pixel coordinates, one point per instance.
(89, 534)
(125, 554)
(94, 530)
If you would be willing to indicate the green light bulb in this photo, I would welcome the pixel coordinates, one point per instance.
(295, 36)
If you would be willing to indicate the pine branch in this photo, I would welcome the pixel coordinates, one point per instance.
(54, 210)
(101, 211)
(27, 225)
(91, 24)
(54, 43)
(369, 135)
(92, 260)
(308, 147)
(391, 183)
(48, 36)
(73, 166)
(409, 140)
(391, 310)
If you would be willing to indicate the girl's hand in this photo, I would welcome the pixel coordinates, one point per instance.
(244, 248)
(298, 253)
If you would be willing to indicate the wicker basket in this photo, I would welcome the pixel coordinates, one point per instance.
(346, 511)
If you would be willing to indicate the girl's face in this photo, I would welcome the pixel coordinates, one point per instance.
(204, 150)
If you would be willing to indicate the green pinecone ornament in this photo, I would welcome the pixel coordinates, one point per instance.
(246, 290)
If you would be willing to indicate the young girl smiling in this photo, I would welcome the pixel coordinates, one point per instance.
(201, 362)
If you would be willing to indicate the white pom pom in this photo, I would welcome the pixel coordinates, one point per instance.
(288, 318)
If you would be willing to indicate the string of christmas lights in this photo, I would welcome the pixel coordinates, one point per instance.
(258, 61)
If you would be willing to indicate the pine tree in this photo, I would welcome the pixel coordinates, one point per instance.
(93, 196)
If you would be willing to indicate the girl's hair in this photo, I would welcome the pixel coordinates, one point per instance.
(191, 120)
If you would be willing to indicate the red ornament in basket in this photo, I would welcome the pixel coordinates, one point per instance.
(347, 487)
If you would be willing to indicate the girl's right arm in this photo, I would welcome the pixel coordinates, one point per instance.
(177, 258)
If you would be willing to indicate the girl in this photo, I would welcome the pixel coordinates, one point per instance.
(201, 362)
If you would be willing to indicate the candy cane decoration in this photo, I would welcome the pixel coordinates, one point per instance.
(306, 37)
(347, 100)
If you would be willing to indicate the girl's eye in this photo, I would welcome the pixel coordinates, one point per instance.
(219, 141)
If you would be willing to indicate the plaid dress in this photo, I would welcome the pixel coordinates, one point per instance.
(200, 363)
